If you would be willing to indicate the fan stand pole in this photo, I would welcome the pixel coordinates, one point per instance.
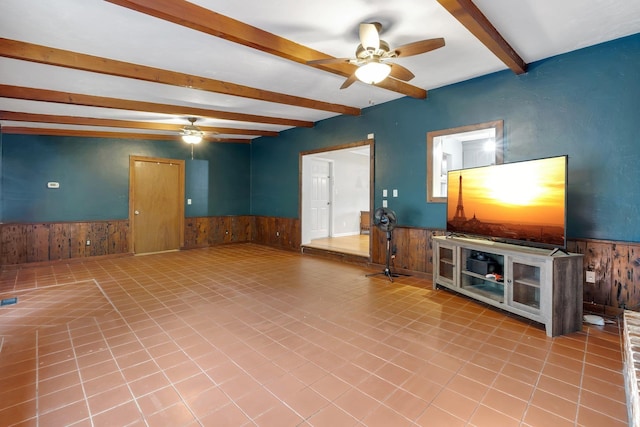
(387, 269)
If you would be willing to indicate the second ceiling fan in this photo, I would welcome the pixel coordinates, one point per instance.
(373, 57)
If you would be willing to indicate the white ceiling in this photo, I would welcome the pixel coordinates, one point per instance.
(536, 29)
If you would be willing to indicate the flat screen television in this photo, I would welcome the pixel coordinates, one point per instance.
(521, 202)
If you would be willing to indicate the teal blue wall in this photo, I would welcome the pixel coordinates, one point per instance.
(94, 177)
(585, 104)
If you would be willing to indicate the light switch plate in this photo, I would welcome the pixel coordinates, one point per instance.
(395, 192)
(384, 193)
(384, 204)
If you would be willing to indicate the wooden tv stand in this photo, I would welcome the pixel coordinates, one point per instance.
(529, 282)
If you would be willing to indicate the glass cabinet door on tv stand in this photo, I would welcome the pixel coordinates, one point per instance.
(524, 282)
(445, 268)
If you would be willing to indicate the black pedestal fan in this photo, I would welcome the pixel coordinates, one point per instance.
(385, 219)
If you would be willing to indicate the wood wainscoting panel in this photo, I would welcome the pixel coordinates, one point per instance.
(242, 228)
(283, 233)
(41, 242)
(598, 258)
(206, 231)
(37, 242)
(203, 230)
(412, 247)
(59, 240)
(626, 276)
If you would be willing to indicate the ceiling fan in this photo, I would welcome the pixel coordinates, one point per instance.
(192, 134)
(373, 56)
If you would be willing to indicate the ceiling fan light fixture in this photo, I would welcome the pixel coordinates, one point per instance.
(192, 138)
(373, 72)
(191, 134)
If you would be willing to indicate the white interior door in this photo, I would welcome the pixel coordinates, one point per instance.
(320, 200)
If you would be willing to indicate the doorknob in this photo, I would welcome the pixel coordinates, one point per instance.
(136, 212)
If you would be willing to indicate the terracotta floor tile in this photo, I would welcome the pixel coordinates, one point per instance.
(588, 417)
(537, 417)
(20, 380)
(485, 416)
(332, 416)
(468, 387)
(158, 400)
(107, 367)
(58, 383)
(456, 404)
(175, 415)
(562, 374)
(249, 335)
(257, 402)
(20, 413)
(58, 399)
(122, 415)
(383, 416)
(111, 398)
(330, 387)
(66, 415)
(306, 403)
(356, 403)
(554, 404)
(280, 415)
(406, 404)
(434, 416)
(95, 358)
(602, 403)
(191, 386)
(103, 383)
(504, 403)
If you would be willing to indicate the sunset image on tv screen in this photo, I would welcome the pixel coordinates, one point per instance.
(515, 201)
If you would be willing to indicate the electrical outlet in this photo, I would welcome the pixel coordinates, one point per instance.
(88, 243)
(277, 234)
(591, 277)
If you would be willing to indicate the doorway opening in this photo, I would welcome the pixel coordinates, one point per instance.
(335, 198)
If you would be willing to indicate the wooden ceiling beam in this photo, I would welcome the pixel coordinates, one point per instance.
(90, 121)
(78, 61)
(204, 20)
(15, 130)
(477, 23)
(44, 95)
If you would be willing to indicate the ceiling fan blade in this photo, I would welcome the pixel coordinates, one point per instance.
(352, 78)
(401, 73)
(416, 48)
(328, 61)
(369, 37)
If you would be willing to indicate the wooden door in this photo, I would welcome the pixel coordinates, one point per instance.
(156, 204)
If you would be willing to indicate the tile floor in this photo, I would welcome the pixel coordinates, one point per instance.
(245, 335)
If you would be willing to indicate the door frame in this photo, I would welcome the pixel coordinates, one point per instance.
(181, 192)
(371, 143)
